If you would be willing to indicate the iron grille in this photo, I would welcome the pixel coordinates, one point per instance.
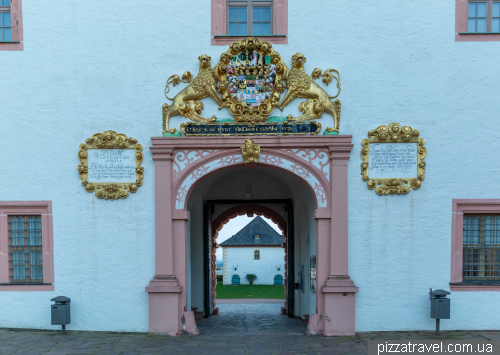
(25, 249)
(481, 249)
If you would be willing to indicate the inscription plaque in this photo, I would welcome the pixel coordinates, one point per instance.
(246, 129)
(112, 165)
(393, 159)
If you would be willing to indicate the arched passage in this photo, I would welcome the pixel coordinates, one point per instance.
(318, 163)
(190, 176)
(250, 210)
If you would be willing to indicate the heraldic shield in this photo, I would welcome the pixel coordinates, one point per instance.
(248, 80)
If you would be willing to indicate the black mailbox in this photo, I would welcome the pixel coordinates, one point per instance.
(60, 312)
(440, 306)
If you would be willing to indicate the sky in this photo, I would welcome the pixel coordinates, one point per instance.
(234, 226)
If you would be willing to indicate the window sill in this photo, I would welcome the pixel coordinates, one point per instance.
(225, 40)
(459, 286)
(11, 46)
(477, 36)
(27, 287)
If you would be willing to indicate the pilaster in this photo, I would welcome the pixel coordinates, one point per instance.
(338, 289)
(164, 290)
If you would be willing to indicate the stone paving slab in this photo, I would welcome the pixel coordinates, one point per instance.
(241, 329)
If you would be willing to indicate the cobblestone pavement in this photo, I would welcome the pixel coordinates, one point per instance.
(241, 329)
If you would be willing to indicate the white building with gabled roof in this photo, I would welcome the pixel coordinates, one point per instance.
(255, 249)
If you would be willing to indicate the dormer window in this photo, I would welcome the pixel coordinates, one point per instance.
(257, 236)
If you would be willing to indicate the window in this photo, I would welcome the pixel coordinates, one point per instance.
(264, 19)
(11, 25)
(5, 25)
(256, 255)
(26, 261)
(25, 249)
(475, 258)
(483, 16)
(249, 17)
(477, 20)
(481, 248)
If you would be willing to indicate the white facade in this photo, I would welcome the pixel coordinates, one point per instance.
(270, 264)
(84, 71)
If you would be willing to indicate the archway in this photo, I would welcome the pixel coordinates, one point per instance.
(250, 209)
(316, 164)
(206, 163)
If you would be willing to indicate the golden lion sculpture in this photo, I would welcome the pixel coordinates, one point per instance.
(185, 102)
(299, 84)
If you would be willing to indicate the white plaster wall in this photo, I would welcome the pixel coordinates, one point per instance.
(85, 71)
(265, 269)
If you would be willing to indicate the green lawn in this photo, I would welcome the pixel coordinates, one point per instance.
(249, 291)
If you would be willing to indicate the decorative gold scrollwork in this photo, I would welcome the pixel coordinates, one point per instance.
(393, 133)
(110, 140)
(248, 80)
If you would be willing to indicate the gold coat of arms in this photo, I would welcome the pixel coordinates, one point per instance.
(249, 80)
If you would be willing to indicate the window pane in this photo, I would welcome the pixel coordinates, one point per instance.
(7, 35)
(242, 28)
(256, 28)
(257, 13)
(472, 25)
(481, 25)
(266, 28)
(6, 19)
(6, 3)
(233, 14)
(233, 29)
(266, 14)
(25, 246)
(481, 259)
(481, 9)
(472, 9)
(242, 15)
(496, 9)
(496, 25)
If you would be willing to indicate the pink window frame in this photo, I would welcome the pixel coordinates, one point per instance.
(43, 208)
(16, 19)
(219, 24)
(457, 226)
(461, 19)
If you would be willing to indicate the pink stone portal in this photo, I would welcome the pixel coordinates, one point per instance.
(192, 159)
